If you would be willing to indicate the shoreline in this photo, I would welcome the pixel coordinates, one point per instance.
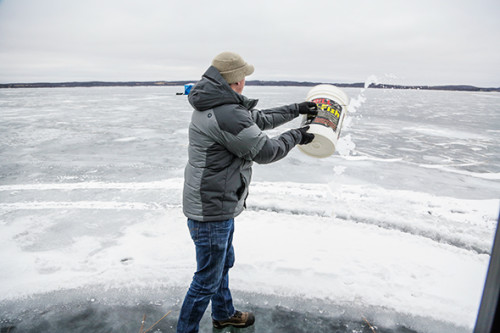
(249, 83)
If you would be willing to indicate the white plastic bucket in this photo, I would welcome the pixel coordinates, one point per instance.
(332, 107)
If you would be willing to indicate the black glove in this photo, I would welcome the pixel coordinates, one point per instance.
(306, 137)
(309, 108)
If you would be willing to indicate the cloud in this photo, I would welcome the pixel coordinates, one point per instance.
(424, 42)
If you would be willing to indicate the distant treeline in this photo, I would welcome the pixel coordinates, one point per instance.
(250, 83)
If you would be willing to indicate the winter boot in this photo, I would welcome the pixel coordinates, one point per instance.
(239, 319)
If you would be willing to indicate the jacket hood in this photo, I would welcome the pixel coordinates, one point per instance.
(213, 90)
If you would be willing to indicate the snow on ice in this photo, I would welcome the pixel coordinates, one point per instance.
(393, 226)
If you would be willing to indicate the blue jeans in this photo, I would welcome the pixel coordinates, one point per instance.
(214, 258)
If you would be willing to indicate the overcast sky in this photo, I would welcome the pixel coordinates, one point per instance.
(402, 42)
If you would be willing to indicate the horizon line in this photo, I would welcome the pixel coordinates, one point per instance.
(98, 83)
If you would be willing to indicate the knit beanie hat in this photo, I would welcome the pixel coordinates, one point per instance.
(232, 67)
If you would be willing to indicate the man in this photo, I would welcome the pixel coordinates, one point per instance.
(225, 137)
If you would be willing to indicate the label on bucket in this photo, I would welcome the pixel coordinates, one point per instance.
(329, 113)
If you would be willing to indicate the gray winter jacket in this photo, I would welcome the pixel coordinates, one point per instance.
(225, 136)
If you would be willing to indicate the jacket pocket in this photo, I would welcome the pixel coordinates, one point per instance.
(241, 189)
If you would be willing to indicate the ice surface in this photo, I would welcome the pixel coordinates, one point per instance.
(397, 228)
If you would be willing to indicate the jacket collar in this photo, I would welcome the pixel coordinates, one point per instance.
(213, 90)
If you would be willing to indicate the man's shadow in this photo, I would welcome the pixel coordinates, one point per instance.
(231, 329)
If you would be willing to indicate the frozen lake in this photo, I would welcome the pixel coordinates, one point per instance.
(396, 228)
